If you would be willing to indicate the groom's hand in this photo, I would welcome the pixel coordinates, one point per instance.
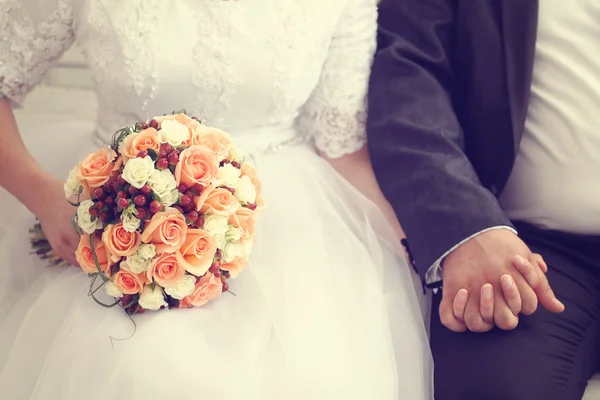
(495, 277)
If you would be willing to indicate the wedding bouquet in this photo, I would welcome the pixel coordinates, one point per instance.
(166, 216)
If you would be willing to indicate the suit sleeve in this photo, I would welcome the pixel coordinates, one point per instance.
(414, 136)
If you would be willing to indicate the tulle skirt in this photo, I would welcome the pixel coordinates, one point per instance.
(327, 309)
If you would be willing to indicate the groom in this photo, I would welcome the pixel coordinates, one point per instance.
(484, 132)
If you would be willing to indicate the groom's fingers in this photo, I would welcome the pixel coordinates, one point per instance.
(447, 315)
(503, 315)
(546, 296)
(460, 304)
(528, 270)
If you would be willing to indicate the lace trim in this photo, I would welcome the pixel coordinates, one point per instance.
(32, 52)
(214, 75)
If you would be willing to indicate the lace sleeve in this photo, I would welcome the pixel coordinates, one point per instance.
(33, 35)
(335, 114)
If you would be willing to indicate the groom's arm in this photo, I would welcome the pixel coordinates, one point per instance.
(415, 139)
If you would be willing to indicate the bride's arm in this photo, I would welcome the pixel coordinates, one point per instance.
(36, 33)
(336, 111)
(357, 170)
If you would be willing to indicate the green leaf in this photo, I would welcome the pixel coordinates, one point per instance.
(152, 153)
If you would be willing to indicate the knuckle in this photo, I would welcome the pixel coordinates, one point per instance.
(508, 324)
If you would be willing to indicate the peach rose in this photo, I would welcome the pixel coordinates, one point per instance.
(216, 140)
(207, 288)
(245, 220)
(197, 252)
(146, 139)
(128, 282)
(85, 258)
(119, 242)
(95, 169)
(199, 200)
(220, 202)
(249, 171)
(166, 230)
(236, 266)
(197, 164)
(167, 270)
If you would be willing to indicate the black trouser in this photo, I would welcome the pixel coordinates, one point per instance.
(548, 356)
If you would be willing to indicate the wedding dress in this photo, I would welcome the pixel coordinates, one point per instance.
(327, 308)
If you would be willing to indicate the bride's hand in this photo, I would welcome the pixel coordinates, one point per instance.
(54, 214)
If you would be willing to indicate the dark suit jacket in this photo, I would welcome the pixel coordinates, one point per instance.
(447, 107)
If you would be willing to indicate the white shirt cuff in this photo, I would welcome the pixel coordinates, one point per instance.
(434, 273)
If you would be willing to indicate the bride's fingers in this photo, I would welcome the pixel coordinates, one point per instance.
(540, 261)
(460, 304)
(511, 293)
(487, 303)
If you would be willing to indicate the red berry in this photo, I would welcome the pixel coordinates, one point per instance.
(142, 154)
(103, 216)
(122, 182)
(252, 206)
(153, 124)
(162, 163)
(93, 212)
(190, 192)
(225, 287)
(132, 190)
(146, 189)
(226, 274)
(185, 201)
(111, 186)
(173, 158)
(162, 154)
(141, 213)
(144, 125)
(99, 193)
(155, 206)
(99, 205)
(122, 202)
(217, 275)
(199, 222)
(192, 216)
(183, 188)
(121, 194)
(236, 164)
(198, 188)
(214, 268)
(109, 201)
(114, 176)
(166, 147)
(178, 209)
(140, 200)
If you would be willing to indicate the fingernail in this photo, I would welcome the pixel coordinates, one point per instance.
(487, 292)
(461, 295)
(520, 261)
(507, 281)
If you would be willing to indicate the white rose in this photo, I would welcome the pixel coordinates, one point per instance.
(164, 185)
(233, 251)
(173, 132)
(245, 191)
(86, 222)
(138, 170)
(185, 287)
(235, 155)
(233, 234)
(146, 251)
(216, 224)
(135, 264)
(152, 299)
(111, 289)
(229, 175)
(221, 240)
(130, 222)
(170, 198)
(73, 184)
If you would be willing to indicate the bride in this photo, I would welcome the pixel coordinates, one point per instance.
(327, 308)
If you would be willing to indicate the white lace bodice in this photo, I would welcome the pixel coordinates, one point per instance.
(269, 70)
